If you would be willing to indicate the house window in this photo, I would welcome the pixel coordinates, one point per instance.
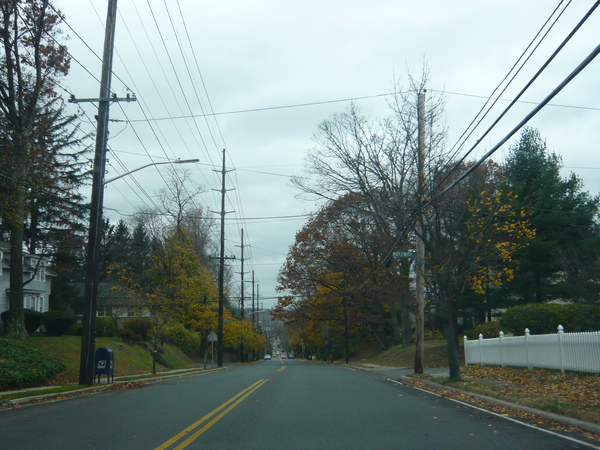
(40, 274)
(35, 302)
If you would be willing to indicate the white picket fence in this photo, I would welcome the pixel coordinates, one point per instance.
(561, 351)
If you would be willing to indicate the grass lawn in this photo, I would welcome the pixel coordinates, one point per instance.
(130, 359)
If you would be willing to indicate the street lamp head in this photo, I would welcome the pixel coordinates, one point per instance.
(183, 161)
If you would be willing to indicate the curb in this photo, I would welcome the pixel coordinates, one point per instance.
(586, 426)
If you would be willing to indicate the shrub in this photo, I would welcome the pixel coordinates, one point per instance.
(75, 330)
(140, 326)
(33, 319)
(488, 329)
(128, 335)
(105, 327)
(433, 335)
(23, 365)
(57, 322)
(178, 335)
(546, 317)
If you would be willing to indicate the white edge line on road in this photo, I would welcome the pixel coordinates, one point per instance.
(512, 419)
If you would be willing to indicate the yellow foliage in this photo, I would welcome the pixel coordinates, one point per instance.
(500, 229)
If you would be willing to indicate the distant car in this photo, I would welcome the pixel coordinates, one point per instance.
(267, 356)
(291, 357)
(283, 356)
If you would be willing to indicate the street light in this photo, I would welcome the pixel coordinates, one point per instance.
(88, 329)
(176, 161)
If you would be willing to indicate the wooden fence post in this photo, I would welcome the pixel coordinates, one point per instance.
(561, 330)
(529, 366)
(501, 352)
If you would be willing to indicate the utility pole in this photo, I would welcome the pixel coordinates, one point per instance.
(90, 296)
(345, 298)
(222, 258)
(242, 294)
(420, 250)
(253, 325)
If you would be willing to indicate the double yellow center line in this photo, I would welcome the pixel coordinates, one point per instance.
(226, 407)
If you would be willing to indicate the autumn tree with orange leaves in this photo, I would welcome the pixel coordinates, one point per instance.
(329, 268)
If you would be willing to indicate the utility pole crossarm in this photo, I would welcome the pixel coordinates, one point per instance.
(112, 98)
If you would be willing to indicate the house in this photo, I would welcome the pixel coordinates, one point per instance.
(36, 293)
(114, 300)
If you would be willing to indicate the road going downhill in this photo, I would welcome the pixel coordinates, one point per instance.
(274, 404)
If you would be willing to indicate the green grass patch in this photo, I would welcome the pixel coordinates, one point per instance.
(130, 359)
(434, 355)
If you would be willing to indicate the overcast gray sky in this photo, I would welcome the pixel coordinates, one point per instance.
(256, 65)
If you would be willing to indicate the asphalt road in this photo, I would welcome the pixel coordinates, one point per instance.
(268, 405)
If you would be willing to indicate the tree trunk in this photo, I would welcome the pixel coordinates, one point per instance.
(406, 325)
(538, 287)
(395, 324)
(16, 322)
(451, 336)
(32, 233)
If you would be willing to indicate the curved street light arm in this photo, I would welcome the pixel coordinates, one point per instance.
(176, 161)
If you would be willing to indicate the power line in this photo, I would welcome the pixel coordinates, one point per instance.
(466, 134)
(350, 99)
(527, 118)
(523, 90)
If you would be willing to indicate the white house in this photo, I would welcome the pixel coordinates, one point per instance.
(36, 293)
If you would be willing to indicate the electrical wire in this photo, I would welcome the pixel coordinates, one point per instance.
(527, 118)
(523, 90)
(512, 69)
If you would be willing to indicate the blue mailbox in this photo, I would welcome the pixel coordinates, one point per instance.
(105, 364)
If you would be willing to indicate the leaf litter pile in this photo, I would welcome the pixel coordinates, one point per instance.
(571, 394)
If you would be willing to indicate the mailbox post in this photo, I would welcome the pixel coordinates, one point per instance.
(105, 364)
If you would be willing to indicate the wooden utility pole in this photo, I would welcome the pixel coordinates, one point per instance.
(242, 295)
(90, 295)
(253, 326)
(420, 253)
(222, 258)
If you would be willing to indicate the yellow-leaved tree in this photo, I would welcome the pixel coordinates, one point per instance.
(176, 289)
(499, 228)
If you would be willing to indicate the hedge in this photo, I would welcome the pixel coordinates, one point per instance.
(33, 319)
(488, 330)
(57, 323)
(546, 317)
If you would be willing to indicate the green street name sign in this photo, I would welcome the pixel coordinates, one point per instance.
(404, 254)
